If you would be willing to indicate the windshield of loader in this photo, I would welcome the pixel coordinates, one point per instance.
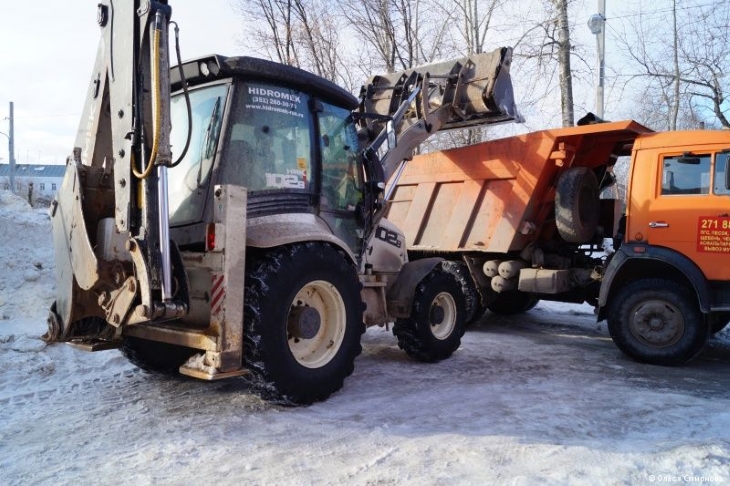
(187, 186)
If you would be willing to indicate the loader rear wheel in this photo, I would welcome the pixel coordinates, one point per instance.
(657, 321)
(303, 322)
(577, 205)
(512, 302)
(438, 318)
(155, 357)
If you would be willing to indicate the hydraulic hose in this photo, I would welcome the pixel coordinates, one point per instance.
(156, 118)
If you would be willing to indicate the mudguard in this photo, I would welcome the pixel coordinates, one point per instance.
(626, 255)
(400, 294)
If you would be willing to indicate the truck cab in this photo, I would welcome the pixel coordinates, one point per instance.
(667, 289)
(679, 199)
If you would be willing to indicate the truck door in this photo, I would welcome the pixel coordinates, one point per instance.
(690, 212)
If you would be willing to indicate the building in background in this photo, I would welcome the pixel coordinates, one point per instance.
(45, 180)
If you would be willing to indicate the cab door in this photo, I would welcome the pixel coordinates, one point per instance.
(690, 210)
(341, 187)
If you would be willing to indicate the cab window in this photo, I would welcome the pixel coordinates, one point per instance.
(187, 186)
(269, 143)
(721, 167)
(341, 178)
(686, 175)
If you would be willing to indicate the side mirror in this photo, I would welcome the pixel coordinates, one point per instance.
(392, 139)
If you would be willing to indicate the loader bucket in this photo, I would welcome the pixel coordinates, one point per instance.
(477, 88)
(467, 92)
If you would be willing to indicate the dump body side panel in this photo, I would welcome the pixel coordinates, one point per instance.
(497, 196)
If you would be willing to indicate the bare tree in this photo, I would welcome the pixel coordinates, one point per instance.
(563, 52)
(396, 34)
(301, 33)
(685, 70)
(545, 53)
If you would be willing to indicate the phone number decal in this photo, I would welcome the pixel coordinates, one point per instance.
(713, 234)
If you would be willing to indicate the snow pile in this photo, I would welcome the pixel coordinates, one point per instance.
(26, 265)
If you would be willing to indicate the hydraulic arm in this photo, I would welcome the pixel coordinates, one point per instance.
(110, 218)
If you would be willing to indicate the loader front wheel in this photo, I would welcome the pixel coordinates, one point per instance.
(155, 357)
(303, 322)
(657, 321)
(438, 318)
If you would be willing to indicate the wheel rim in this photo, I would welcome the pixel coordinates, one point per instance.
(657, 323)
(442, 315)
(319, 350)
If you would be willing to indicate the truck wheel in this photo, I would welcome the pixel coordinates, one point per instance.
(303, 321)
(512, 302)
(577, 205)
(437, 322)
(154, 356)
(657, 321)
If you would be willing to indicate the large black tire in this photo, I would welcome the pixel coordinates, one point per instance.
(155, 357)
(474, 308)
(438, 317)
(657, 321)
(577, 205)
(512, 302)
(303, 322)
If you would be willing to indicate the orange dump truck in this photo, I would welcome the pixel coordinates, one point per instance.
(529, 216)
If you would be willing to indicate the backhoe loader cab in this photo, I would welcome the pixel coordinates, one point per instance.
(284, 134)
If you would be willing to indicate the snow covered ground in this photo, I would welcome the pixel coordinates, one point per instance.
(543, 398)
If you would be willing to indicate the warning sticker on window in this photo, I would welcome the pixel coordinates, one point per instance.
(713, 234)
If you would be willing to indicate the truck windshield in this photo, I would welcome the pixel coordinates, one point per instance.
(187, 181)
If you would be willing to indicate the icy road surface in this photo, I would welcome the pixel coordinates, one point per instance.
(541, 398)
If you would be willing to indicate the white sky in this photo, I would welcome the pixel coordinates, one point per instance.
(47, 53)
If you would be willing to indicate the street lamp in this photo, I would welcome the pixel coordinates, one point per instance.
(596, 23)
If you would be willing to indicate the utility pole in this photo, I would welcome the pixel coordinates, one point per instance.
(597, 24)
(11, 149)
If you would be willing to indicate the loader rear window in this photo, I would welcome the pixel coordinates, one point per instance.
(269, 143)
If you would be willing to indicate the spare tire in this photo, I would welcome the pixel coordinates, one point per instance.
(577, 205)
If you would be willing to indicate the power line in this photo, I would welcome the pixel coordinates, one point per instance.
(662, 10)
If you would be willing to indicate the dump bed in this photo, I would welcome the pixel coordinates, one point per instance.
(497, 195)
